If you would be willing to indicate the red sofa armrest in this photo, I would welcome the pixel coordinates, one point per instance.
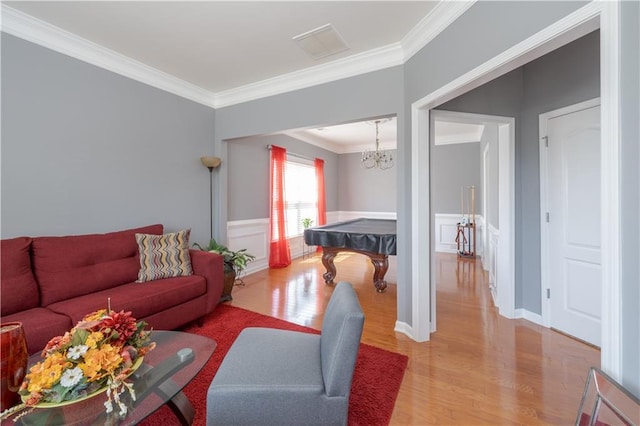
(209, 265)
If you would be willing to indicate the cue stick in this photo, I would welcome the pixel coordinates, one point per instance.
(473, 203)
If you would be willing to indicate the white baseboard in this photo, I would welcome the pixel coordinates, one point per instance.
(404, 328)
(529, 316)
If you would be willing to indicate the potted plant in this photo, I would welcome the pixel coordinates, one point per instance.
(307, 222)
(234, 263)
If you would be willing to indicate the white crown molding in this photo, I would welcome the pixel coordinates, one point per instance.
(369, 61)
(28, 28)
(442, 15)
(335, 148)
(312, 140)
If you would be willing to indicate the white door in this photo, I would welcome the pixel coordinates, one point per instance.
(574, 278)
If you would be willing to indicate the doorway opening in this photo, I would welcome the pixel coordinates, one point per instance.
(496, 218)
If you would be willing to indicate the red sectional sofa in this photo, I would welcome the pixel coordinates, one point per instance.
(50, 283)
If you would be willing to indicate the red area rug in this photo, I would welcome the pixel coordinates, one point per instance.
(376, 380)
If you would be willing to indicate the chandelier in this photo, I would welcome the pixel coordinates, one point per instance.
(380, 159)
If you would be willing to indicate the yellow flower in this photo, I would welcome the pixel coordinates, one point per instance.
(45, 374)
(99, 363)
(95, 316)
(93, 339)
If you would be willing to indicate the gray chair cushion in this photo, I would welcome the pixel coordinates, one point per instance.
(268, 356)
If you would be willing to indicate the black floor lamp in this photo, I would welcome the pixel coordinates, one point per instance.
(211, 163)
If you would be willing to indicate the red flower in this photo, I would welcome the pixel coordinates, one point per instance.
(120, 322)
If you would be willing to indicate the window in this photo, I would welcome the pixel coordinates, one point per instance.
(301, 195)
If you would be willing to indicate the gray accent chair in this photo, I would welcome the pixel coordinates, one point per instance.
(282, 377)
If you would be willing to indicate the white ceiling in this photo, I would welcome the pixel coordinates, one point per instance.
(222, 47)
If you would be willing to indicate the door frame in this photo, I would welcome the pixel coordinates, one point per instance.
(543, 121)
(603, 15)
(505, 273)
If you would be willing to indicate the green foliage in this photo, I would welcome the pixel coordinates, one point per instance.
(233, 260)
(79, 337)
(307, 222)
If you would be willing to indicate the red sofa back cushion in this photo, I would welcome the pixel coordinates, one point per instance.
(18, 286)
(73, 266)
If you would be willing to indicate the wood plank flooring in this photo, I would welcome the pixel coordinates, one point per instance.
(478, 368)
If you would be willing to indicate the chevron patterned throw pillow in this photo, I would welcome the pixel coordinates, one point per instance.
(164, 256)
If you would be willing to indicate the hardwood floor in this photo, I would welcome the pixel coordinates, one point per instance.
(478, 368)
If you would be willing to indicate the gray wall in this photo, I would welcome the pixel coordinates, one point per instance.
(563, 77)
(365, 190)
(248, 159)
(86, 150)
(453, 167)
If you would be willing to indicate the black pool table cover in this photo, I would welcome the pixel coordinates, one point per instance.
(374, 235)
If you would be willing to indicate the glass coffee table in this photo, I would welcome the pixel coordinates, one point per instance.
(177, 358)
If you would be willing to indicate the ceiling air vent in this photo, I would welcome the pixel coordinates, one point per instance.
(321, 42)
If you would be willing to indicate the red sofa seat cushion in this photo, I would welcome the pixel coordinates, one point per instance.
(72, 266)
(40, 326)
(18, 286)
(142, 299)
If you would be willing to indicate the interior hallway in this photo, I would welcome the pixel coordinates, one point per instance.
(478, 368)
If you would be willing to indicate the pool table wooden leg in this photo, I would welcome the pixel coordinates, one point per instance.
(380, 266)
(328, 254)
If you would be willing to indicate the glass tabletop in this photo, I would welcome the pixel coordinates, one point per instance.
(165, 371)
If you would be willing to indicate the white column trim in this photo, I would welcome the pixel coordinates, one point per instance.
(611, 349)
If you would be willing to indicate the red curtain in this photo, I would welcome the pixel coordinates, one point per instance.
(322, 210)
(279, 255)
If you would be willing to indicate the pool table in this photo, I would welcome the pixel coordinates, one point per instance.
(375, 238)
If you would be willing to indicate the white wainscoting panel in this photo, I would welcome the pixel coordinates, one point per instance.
(446, 231)
(492, 260)
(333, 217)
(253, 236)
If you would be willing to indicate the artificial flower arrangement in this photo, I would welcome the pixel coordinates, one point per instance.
(99, 353)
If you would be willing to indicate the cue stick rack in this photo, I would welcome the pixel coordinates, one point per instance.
(466, 228)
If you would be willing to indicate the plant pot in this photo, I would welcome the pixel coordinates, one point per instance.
(229, 280)
(13, 364)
